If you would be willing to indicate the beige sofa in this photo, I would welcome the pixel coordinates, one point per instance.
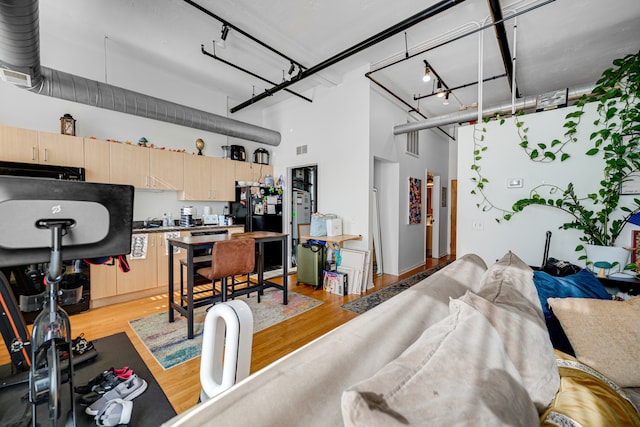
(466, 346)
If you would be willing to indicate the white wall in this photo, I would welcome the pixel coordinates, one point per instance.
(335, 129)
(525, 232)
(434, 152)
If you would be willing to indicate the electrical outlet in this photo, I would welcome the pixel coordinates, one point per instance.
(477, 225)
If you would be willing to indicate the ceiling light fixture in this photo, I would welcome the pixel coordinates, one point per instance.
(446, 99)
(427, 72)
(225, 32)
(440, 91)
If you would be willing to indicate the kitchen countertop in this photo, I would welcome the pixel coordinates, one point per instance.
(159, 229)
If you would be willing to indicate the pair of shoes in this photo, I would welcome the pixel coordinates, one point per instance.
(128, 390)
(115, 412)
(101, 380)
(103, 383)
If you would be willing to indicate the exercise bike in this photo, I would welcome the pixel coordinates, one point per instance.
(53, 221)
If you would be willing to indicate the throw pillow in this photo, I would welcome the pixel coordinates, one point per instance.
(519, 275)
(456, 373)
(527, 343)
(587, 398)
(605, 335)
(580, 285)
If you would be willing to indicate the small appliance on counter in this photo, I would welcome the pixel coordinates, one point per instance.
(237, 153)
(186, 216)
(226, 151)
(261, 156)
(211, 219)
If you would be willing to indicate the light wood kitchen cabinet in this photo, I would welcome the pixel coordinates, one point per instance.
(197, 178)
(29, 146)
(208, 178)
(97, 160)
(129, 165)
(143, 273)
(166, 170)
(224, 182)
(252, 172)
(109, 281)
(163, 259)
(62, 150)
(18, 145)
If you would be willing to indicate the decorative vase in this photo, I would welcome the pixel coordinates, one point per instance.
(617, 256)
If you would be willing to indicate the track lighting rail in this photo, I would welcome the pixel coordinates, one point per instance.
(228, 25)
(244, 70)
(371, 41)
(499, 76)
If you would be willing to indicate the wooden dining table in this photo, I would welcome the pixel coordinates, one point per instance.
(185, 305)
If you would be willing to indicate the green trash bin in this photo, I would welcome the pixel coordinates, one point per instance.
(310, 263)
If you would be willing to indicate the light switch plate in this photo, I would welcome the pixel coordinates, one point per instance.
(515, 183)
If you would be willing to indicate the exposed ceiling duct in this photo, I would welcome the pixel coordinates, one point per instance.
(20, 62)
(472, 114)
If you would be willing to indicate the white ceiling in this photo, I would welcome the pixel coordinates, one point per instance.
(560, 44)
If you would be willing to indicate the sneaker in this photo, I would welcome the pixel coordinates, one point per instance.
(128, 390)
(111, 381)
(115, 412)
(113, 375)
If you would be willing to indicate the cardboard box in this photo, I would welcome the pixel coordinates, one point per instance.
(334, 226)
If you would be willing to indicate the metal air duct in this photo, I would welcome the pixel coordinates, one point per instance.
(472, 114)
(20, 55)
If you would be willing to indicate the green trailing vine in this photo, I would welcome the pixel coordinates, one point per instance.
(599, 215)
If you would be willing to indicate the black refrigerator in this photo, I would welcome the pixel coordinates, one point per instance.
(259, 208)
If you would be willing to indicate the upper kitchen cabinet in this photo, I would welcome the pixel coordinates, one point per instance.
(166, 170)
(96, 160)
(224, 181)
(28, 146)
(208, 178)
(145, 167)
(65, 150)
(252, 172)
(129, 165)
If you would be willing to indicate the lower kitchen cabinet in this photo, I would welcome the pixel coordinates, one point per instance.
(148, 276)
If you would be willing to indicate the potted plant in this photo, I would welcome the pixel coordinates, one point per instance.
(602, 214)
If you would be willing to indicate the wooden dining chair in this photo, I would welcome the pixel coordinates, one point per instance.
(230, 258)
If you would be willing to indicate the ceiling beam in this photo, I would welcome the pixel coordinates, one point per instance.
(503, 42)
(371, 41)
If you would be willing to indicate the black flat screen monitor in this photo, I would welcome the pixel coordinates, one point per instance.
(100, 216)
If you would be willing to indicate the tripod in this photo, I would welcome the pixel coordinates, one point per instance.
(52, 335)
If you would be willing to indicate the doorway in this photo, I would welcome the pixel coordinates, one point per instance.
(304, 201)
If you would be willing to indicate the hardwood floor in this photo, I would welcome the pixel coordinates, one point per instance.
(181, 383)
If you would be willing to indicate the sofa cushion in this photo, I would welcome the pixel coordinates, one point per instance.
(605, 335)
(525, 338)
(456, 373)
(586, 397)
(519, 276)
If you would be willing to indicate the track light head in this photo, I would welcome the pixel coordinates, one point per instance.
(225, 32)
(292, 68)
(427, 74)
(440, 91)
(446, 99)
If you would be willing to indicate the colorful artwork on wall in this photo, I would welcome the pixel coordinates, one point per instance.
(415, 200)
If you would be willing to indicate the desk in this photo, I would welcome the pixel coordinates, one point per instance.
(191, 243)
(338, 240)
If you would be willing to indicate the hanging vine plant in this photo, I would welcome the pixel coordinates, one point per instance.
(599, 215)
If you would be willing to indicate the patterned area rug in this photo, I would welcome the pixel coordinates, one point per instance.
(367, 302)
(168, 341)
